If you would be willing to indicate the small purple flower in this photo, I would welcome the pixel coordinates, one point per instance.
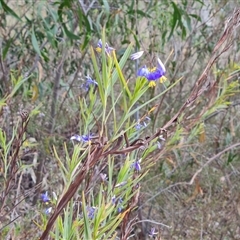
(136, 165)
(114, 199)
(120, 206)
(139, 126)
(118, 203)
(76, 137)
(103, 177)
(119, 209)
(143, 124)
(152, 232)
(91, 212)
(148, 119)
(136, 55)
(48, 210)
(86, 138)
(108, 49)
(162, 139)
(89, 82)
(159, 145)
(83, 138)
(143, 72)
(153, 74)
(44, 197)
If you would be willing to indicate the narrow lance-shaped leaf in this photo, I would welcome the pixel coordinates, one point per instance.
(87, 230)
(8, 10)
(35, 43)
(121, 77)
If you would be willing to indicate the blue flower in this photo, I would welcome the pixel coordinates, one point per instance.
(119, 209)
(83, 138)
(76, 137)
(108, 49)
(120, 206)
(44, 197)
(114, 199)
(89, 82)
(139, 126)
(136, 165)
(118, 203)
(153, 74)
(152, 232)
(48, 210)
(136, 55)
(143, 124)
(86, 138)
(103, 177)
(91, 212)
(143, 72)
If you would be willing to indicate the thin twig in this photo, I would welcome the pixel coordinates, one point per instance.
(194, 176)
(212, 159)
(86, 10)
(153, 222)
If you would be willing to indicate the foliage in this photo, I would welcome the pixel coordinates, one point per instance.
(87, 149)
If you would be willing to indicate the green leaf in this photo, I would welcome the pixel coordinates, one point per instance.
(188, 22)
(17, 84)
(176, 18)
(51, 38)
(106, 6)
(87, 27)
(122, 62)
(231, 157)
(35, 43)
(5, 50)
(97, 75)
(69, 34)
(112, 225)
(140, 13)
(120, 74)
(87, 230)
(197, 17)
(8, 10)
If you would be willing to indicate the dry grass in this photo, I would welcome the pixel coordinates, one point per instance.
(202, 206)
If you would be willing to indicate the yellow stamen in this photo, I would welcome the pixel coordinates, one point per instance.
(152, 84)
(152, 69)
(162, 79)
(98, 49)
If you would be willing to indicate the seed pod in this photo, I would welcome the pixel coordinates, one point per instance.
(24, 115)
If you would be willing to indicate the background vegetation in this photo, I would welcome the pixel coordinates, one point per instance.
(187, 147)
